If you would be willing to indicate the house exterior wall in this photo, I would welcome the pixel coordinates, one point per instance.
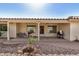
(69, 26)
(66, 30)
(22, 27)
(46, 34)
(12, 28)
(46, 30)
(74, 31)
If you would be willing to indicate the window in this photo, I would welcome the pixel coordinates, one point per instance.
(31, 28)
(3, 27)
(52, 29)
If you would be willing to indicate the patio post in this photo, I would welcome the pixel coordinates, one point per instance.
(38, 31)
(8, 38)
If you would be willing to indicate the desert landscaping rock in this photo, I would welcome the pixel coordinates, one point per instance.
(14, 54)
(47, 46)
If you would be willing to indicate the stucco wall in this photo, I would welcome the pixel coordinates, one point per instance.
(21, 27)
(74, 30)
(66, 29)
(12, 29)
(46, 30)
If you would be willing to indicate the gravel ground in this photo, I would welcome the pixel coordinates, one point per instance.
(15, 54)
(48, 47)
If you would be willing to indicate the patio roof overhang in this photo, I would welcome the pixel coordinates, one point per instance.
(41, 20)
(35, 20)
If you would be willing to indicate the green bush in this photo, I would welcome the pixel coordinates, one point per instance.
(32, 40)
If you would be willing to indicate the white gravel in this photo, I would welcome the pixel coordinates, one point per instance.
(49, 47)
(14, 54)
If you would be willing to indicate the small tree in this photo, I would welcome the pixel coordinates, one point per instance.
(30, 48)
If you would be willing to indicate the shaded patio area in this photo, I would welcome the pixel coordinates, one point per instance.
(47, 45)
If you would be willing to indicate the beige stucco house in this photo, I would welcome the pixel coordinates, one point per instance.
(47, 27)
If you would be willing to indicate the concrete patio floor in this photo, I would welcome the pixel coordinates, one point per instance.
(47, 45)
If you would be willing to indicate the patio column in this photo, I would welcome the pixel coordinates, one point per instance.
(38, 31)
(8, 38)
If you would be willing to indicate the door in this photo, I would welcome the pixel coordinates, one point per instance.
(41, 29)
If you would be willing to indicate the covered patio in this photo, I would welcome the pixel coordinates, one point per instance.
(40, 28)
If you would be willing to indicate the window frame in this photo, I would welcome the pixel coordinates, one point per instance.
(53, 30)
(31, 26)
(2, 26)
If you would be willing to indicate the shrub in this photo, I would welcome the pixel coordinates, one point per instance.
(32, 40)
